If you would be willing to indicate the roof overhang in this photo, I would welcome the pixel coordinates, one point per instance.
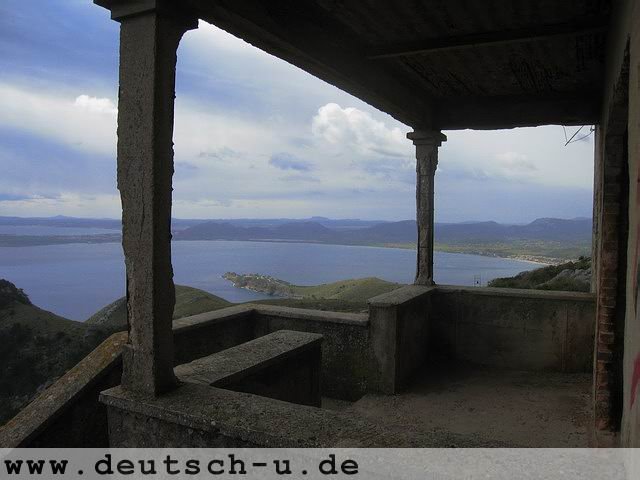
(436, 64)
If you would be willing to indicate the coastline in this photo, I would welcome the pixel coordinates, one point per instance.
(9, 240)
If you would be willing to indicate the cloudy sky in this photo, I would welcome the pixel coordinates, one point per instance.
(255, 137)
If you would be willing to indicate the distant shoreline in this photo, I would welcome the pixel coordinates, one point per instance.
(9, 241)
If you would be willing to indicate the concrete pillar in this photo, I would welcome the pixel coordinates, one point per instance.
(149, 38)
(427, 143)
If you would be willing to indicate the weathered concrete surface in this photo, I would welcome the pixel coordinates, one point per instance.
(202, 416)
(67, 413)
(347, 367)
(284, 365)
(458, 76)
(514, 329)
(148, 45)
(427, 144)
(487, 406)
(201, 335)
(356, 351)
(399, 335)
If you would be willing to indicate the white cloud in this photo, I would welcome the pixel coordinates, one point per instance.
(357, 130)
(533, 155)
(224, 161)
(515, 161)
(80, 122)
(96, 105)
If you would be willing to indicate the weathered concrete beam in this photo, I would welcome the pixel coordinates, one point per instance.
(148, 44)
(121, 9)
(580, 26)
(510, 111)
(310, 38)
(427, 143)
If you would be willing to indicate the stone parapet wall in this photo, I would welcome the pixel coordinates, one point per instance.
(361, 353)
(400, 330)
(68, 414)
(514, 329)
(347, 369)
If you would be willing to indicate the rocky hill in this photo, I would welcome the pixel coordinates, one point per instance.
(569, 276)
(189, 301)
(38, 346)
(10, 294)
(356, 290)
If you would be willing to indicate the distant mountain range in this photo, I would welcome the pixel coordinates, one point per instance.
(544, 239)
(404, 232)
(178, 223)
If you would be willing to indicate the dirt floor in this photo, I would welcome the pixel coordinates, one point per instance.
(467, 405)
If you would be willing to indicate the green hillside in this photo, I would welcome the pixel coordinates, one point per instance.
(569, 276)
(189, 301)
(355, 290)
(344, 295)
(37, 347)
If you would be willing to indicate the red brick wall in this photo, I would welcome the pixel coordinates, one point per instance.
(610, 273)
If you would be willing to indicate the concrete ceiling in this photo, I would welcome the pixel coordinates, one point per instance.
(447, 64)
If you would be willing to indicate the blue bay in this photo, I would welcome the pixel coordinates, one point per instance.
(76, 280)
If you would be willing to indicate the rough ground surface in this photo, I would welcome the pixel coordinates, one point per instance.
(485, 407)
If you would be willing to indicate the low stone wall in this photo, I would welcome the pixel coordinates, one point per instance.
(68, 414)
(201, 335)
(346, 356)
(515, 329)
(400, 331)
(284, 365)
(202, 416)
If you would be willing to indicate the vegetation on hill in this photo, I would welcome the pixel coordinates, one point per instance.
(544, 251)
(569, 276)
(189, 301)
(37, 347)
(355, 290)
(342, 296)
(10, 294)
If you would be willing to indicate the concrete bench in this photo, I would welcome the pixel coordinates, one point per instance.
(284, 365)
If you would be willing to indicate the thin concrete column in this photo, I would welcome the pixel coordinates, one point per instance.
(427, 143)
(148, 44)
